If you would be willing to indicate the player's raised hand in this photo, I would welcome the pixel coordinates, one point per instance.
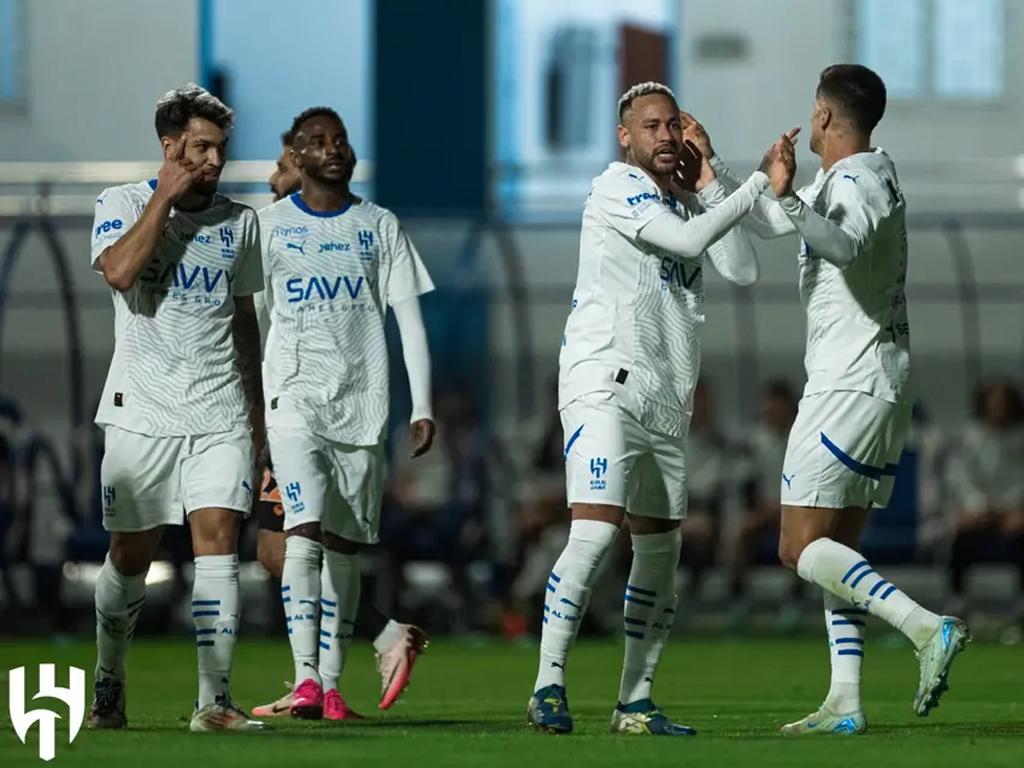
(784, 168)
(689, 167)
(694, 132)
(178, 173)
(422, 434)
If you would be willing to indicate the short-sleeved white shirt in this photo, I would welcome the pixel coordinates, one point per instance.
(174, 368)
(330, 278)
(858, 334)
(637, 311)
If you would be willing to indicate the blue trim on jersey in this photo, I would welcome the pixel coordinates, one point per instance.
(152, 184)
(301, 204)
(875, 473)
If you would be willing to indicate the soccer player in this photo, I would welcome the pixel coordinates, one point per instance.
(182, 408)
(846, 442)
(333, 265)
(397, 645)
(629, 362)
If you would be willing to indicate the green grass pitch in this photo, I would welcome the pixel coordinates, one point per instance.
(467, 702)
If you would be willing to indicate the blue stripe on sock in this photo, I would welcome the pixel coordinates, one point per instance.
(848, 623)
(324, 633)
(325, 646)
(861, 577)
(567, 601)
(848, 640)
(849, 652)
(206, 602)
(328, 603)
(546, 608)
(850, 612)
(853, 570)
(286, 588)
(545, 619)
(638, 601)
(286, 599)
(205, 643)
(197, 614)
(635, 635)
(327, 614)
(289, 630)
(649, 593)
(206, 631)
(887, 592)
(555, 578)
(550, 588)
(881, 583)
(638, 622)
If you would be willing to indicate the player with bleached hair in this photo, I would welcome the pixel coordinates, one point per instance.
(629, 362)
(182, 408)
(846, 442)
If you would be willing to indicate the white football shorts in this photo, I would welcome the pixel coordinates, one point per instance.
(611, 459)
(327, 482)
(147, 481)
(843, 451)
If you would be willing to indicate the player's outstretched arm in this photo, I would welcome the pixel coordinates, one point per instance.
(416, 354)
(733, 257)
(767, 220)
(692, 237)
(857, 203)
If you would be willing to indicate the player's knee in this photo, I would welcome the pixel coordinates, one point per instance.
(270, 552)
(132, 553)
(790, 549)
(214, 532)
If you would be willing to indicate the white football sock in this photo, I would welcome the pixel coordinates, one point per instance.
(845, 625)
(846, 574)
(568, 593)
(388, 636)
(300, 594)
(649, 610)
(119, 600)
(215, 615)
(340, 600)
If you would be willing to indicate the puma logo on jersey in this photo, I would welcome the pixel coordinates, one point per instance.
(300, 247)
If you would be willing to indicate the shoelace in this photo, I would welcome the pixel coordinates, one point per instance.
(107, 694)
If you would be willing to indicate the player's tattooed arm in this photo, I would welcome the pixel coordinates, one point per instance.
(246, 330)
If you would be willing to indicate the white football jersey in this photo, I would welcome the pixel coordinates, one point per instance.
(637, 311)
(330, 278)
(174, 369)
(858, 334)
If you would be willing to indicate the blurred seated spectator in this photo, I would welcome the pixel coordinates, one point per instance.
(706, 483)
(436, 503)
(987, 482)
(765, 450)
